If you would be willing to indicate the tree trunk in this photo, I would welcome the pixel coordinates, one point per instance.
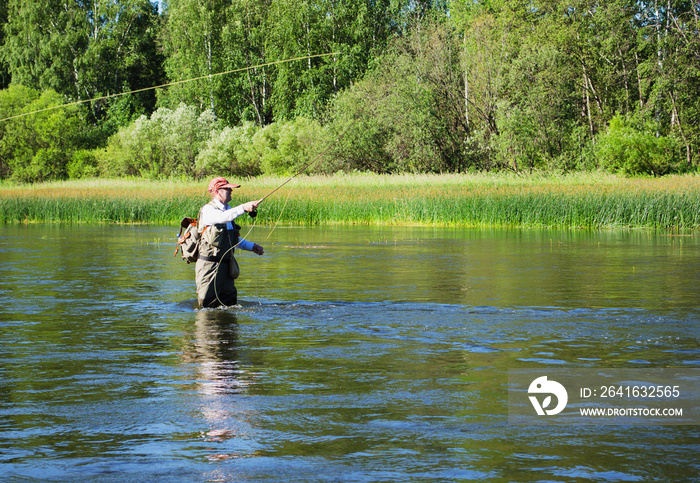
(588, 102)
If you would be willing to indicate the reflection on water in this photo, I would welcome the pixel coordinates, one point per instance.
(220, 378)
(357, 354)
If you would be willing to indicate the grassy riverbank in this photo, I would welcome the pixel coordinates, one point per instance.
(581, 200)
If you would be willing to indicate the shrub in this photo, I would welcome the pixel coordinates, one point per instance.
(181, 134)
(297, 144)
(131, 151)
(286, 146)
(625, 149)
(167, 144)
(403, 116)
(82, 165)
(517, 145)
(229, 151)
(363, 141)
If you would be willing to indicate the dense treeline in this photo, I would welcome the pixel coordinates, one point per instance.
(104, 88)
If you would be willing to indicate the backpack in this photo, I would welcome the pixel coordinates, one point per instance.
(188, 241)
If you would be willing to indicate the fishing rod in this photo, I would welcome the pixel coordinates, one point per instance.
(254, 213)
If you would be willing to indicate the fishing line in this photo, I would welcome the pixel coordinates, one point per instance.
(274, 227)
(303, 168)
(297, 173)
(208, 76)
(308, 165)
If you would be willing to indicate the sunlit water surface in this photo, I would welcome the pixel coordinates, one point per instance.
(357, 354)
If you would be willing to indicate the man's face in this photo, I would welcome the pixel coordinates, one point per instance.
(224, 195)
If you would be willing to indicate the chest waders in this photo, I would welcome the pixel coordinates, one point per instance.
(216, 268)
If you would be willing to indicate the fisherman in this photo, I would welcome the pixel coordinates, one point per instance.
(216, 268)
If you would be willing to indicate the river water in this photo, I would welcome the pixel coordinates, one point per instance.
(357, 354)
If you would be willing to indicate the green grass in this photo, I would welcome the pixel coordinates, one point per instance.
(581, 200)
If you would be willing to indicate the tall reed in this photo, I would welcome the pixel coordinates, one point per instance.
(584, 200)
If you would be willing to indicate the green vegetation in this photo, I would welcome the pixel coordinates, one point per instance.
(578, 201)
(411, 86)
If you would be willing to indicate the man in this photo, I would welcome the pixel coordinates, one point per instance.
(216, 270)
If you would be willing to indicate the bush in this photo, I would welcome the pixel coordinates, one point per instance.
(38, 145)
(230, 151)
(625, 149)
(167, 144)
(285, 147)
(82, 165)
(403, 116)
(517, 146)
(362, 136)
(296, 145)
(131, 151)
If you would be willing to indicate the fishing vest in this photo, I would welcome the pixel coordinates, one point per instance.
(217, 242)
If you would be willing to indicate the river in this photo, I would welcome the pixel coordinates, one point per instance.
(356, 354)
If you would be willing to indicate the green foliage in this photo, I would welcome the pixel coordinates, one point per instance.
(517, 145)
(628, 150)
(245, 42)
(131, 151)
(230, 151)
(288, 146)
(38, 145)
(360, 137)
(84, 50)
(83, 164)
(193, 33)
(202, 38)
(12, 101)
(407, 114)
(180, 142)
(167, 144)
(280, 148)
(494, 85)
(4, 70)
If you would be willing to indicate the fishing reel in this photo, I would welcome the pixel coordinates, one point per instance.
(253, 213)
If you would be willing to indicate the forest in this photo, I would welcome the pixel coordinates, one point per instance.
(193, 88)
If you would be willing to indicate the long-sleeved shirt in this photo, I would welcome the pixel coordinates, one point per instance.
(217, 213)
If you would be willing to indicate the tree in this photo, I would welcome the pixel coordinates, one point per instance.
(670, 30)
(543, 105)
(193, 44)
(4, 71)
(355, 31)
(38, 145)
(407, 114)
(84, 50)
(484, 50)
(245, 95)
(253, 41)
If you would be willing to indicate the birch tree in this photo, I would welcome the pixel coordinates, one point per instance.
(193, 44)
(83, 50)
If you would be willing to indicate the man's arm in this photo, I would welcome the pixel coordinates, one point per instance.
(250, 246)
(213, 216)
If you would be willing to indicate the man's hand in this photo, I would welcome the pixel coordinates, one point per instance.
(251, 205)
(258, 249)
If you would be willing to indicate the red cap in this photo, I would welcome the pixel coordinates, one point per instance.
(217, 183)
